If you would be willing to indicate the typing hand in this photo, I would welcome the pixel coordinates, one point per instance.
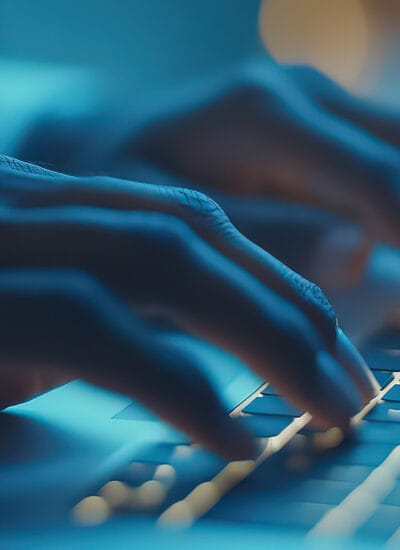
(288, 133)
(85, 260)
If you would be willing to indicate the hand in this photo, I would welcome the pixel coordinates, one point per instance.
(83, 260)
(274, 132)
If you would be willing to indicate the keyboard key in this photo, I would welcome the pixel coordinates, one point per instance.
(271, 404)
(383, 377)
(269, 390)
(196, 465)
(265, 426)
(362, 454)
(318, 491)
(393, 394)
(384, 412)
(258, 508)
(158, 453)
(383, 523)
(378, 432)
(299, 489)
(341, 472)
(382, 360)
(393, 498)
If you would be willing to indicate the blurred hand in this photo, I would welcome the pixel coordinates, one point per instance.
(328, 249)
(288, 133)
(83, 262)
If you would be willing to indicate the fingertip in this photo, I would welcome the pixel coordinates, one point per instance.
(339, 399)
(354, 364)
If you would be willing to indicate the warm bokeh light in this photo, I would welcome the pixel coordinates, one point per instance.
(331, 36)
(91, 510)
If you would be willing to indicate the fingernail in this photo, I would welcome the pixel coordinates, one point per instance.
(339, 397)
(349, 357)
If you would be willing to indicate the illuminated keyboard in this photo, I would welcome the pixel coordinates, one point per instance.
(302, 480)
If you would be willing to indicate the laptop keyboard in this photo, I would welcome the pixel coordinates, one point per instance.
(315, 482)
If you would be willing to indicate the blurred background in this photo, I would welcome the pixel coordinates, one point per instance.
(140, 44)
(50, 51)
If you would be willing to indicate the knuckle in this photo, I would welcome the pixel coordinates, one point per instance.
(310, 291)
(24, 168)
(311, 294)
(257, 85)
(251, 87)
(200, 210)
(307, 73)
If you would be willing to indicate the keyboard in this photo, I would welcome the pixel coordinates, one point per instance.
(320, 483)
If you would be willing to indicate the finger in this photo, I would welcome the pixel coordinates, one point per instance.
(157, 261)
(318, 244)
(209, 221)
(205, 217)
(68, 319)
(373, 117)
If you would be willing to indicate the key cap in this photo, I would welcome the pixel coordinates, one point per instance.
(320, 491)
(269, 390)
(378, 432)
(265, 426)
(383, 523)
(341, 472)
(383, 377)
(258, 508)
(271, 404)
(382, 360)
(384, 412)
(362, 454)
(308, 490)
(393, 394)
(393, 498)
(196, 465)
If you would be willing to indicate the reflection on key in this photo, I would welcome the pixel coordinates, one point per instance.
(271, 404)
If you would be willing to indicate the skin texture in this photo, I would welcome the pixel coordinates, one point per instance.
(85, 259)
